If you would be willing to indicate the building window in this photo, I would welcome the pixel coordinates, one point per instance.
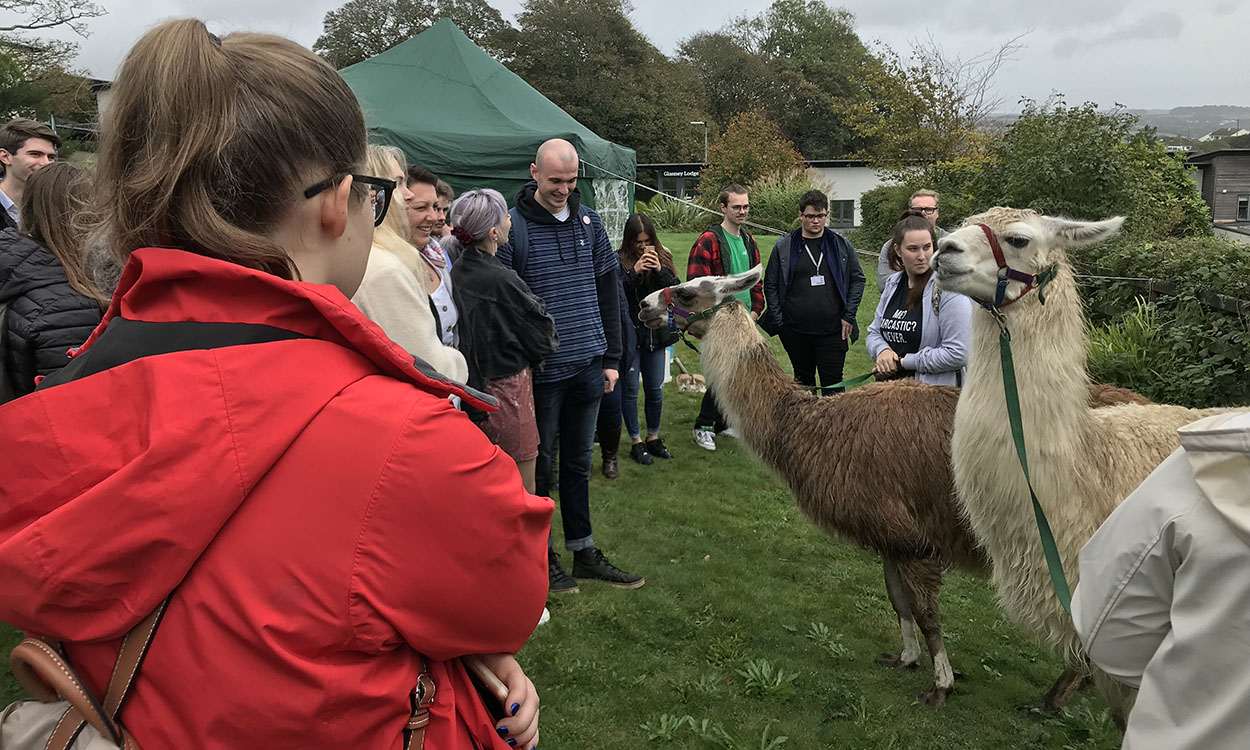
(841, 214)
(1243, 208)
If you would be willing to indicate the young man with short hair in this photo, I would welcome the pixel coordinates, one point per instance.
(568, 261)
(26, 147)
(813, 287)
(725, 248)
(922, 201)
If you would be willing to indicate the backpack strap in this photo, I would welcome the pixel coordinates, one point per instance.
(40, 668)
(520, 242)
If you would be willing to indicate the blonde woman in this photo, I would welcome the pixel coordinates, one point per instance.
(393, 293)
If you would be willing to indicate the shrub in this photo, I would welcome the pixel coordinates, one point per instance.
(775, 198)
(1185, 350)
(671, 215)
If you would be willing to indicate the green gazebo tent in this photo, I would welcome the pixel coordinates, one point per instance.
(452, 108)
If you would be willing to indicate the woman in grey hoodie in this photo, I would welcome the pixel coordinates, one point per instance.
(918, 330)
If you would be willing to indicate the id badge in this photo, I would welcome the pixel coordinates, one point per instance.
(818, 280)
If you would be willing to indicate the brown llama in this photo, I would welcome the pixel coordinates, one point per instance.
(831, 452)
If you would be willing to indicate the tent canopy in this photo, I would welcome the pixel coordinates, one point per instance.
(455, 110)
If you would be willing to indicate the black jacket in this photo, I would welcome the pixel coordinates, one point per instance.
(46, 315)
(504, 327)
(848, 277)
(637, 286)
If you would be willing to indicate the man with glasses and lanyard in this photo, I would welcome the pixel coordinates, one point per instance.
(924, 202)
(725, 248)
(813, 286)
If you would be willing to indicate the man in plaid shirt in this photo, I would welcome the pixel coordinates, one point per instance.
(725, 248)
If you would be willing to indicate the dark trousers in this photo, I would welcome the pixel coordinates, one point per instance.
(567, 410)
(811, 353)
(710, 414)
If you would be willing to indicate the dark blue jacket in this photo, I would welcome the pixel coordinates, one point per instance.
(848, 277)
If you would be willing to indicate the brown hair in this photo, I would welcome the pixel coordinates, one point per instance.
(634, 226)
(924, 194)
(444, 191)
(911, 221)
(52, 209)
(732, 188)
(209, 142)
(15, 133)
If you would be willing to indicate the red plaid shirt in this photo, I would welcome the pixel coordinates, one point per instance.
(705, 260)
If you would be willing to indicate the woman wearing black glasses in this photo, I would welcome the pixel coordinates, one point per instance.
(392, 293)
(238, 443)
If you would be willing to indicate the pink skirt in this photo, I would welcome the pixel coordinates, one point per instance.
(513, 427)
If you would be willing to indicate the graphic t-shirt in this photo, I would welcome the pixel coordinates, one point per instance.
(736, 260)
(901, 327)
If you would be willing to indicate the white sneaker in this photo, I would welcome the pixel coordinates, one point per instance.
(546, 617)
(728, 432)
(704, 438)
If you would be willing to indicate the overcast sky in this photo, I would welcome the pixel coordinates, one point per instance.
(1144, 54)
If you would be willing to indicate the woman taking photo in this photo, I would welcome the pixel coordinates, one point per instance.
(646, 266)
(238, 440)
(53, 305)
(506, 331)
(918, 331)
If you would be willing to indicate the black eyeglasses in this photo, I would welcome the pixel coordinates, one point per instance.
(926, 210)
(380, 190)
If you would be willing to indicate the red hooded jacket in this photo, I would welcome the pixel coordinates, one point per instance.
(320, 512)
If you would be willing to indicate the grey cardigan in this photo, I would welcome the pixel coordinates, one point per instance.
(945, 334)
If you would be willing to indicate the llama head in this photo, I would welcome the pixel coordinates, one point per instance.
(690, 305)
(1031, 244)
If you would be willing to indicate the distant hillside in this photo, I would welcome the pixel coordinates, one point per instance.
(1194, 122)
(1186, 122)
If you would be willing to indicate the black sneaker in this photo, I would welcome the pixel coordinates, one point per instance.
(590, 563)
(558, 582)
(656, 447)
(639, 453)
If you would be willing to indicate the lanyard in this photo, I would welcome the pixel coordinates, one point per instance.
(815, 261)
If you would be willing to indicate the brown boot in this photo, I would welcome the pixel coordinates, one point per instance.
(609, 442)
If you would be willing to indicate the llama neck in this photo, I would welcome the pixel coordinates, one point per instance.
(1048, 350)
(745, 376)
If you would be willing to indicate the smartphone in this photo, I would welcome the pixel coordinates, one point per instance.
(491, 689)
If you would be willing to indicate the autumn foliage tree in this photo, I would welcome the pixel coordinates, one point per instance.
(752, 147)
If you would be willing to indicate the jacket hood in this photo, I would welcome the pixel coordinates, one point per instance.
(1218, 449)
(115, 483)
(25, 265)
(531, 209)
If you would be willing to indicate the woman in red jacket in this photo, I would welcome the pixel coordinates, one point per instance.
(237, 437)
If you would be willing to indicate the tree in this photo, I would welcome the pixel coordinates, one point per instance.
(1087, 164)
(36, 82)
(795, 61)
(36, 15)
(361, 29)
(751, 148)
(931, 108)
(588, 58)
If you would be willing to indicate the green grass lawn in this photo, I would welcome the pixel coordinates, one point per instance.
(755, 626)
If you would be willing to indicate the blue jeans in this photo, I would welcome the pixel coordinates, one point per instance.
(650, 366)
(567, 409)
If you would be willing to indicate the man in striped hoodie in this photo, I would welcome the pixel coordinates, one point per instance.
(562, 251)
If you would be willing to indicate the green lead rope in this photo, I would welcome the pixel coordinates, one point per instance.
(844, 384)
(1049, 547)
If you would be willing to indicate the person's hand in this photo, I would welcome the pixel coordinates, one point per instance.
(609, 380)
(754, 315)
(642, 264)
(521, 704)
(847, 328)
(887, 363)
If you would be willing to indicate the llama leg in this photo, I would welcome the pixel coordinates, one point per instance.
(1065, 686)
(901, 601)
(923, 578)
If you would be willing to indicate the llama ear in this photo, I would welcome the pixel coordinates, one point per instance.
(1077, 233)
(741, 282)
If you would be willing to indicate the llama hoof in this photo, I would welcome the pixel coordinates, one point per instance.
(1033, 712)
(934, 698)
(895, 661)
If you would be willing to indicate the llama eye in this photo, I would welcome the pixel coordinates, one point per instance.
(1018, 243)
